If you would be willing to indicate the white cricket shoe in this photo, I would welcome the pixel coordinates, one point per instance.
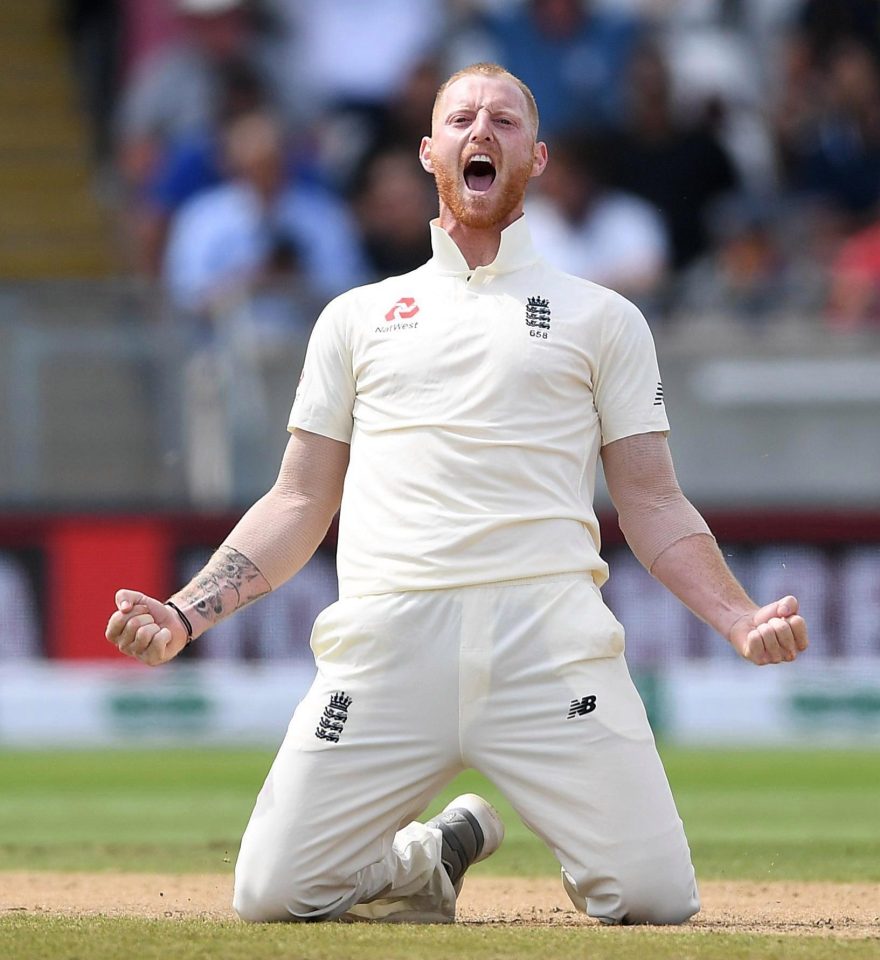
(472, 831)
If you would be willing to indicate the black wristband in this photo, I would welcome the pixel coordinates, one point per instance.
(183, 619)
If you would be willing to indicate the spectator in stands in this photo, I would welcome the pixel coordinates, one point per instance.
(249, 264)
(93, 30)
(590, 230)
(821, 26)
(833, 150)
(227, 238)
(349, 55)
(351, 64)
(720, 56)
(680, 168)
(190, 164)
(392, 201)
(345, 147)
(404, 113)
(749, 276)
(796, 99)
(572, 55)
(854, 296)
(178, 89)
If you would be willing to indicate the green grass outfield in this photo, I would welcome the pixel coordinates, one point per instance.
(105, 939)
(759, 815)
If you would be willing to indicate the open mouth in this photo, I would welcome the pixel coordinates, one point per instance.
(479, 173)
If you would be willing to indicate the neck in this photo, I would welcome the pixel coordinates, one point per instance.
(479, 246)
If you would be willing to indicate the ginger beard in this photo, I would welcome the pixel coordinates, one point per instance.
(481, 209)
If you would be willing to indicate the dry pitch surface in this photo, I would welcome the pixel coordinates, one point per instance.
(814, 909)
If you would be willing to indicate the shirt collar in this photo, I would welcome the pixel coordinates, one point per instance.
(514, 253)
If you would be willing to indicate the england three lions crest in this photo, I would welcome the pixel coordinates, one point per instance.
(332, 722)
(538, 312)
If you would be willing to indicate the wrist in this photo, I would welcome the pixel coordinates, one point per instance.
(743, 616)
(183, 619)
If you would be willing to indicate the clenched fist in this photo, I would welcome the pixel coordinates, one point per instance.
(145, 628)
(772, 634)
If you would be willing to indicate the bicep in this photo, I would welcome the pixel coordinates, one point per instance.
(639, 466)
(313, 467)
(282, 529)
(652, 511)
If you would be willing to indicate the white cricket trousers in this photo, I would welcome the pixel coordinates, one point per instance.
(524, 681)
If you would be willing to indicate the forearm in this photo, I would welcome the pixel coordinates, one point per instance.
(671, 539)
(228, 582)
(275, 538)
(694, 569)
(280, 533)
(667, 533)
(652, 512)
(272, 541)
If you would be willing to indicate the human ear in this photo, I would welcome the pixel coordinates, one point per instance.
(425, 154)
(539, 159)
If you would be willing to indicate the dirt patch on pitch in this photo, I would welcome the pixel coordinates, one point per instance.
(823, 909)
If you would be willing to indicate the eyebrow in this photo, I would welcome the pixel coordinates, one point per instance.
(474, 108)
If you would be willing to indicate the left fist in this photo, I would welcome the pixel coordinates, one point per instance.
(773, 634)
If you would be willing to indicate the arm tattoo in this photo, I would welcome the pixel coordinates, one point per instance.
(228, 582)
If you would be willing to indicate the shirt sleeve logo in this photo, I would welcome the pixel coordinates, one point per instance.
(658, 396)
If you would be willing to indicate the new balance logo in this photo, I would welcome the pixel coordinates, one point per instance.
(335, 714)
(658, 396)
(538, 312)
(580, 708)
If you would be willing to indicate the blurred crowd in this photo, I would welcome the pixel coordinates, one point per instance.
(710, 157)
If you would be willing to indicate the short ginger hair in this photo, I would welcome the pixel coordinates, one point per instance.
(491, 70)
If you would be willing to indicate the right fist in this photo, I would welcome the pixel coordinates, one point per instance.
(145, 628)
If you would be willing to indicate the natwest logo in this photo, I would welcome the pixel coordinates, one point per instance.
(404, 309)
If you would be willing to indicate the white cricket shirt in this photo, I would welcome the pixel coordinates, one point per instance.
(476, 403)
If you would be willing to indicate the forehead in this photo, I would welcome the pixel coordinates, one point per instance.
(474, 91)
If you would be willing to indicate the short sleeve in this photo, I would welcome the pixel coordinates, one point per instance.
(627, 388)
(324, 401)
